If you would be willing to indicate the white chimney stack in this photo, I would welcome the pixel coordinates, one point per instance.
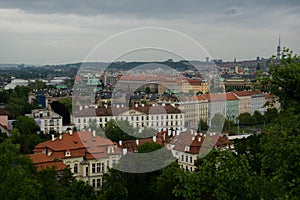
(154, 138)
(60, 136)
(199, 139)
(120, 142)
(137, 141)
(71, 132)
(94, 133)
(80, 108)
(124, 151)
(53, 138)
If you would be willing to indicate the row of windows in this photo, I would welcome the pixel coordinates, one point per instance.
(96, 183)
(96, 167)
(133, 118)
(187, 159)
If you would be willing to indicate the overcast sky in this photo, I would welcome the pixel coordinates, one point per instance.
(64, 31)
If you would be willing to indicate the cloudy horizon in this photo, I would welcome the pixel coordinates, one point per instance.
(54, 32)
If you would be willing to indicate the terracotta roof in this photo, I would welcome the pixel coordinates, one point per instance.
(58, 165)
(3, 112)
(196, 141)
(43, 161)
(220, 97)
(131, 145)
(79, 144)
(246, 93)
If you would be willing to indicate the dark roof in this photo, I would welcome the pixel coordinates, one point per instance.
(116, 110)
(3, 112)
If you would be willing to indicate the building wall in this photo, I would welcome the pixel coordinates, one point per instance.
(4, 120)
(257, 103)
(157, 122)
(92, 171)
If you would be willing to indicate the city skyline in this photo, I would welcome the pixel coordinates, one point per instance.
(44, 32)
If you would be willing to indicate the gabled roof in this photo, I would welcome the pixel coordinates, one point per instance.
(78, 140)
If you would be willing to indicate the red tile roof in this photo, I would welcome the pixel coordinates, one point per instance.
(79, 144)
(196, 141)
(43, 161)
(246, 93)
(220, 97)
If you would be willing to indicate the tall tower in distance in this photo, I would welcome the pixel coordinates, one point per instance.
(278, 49)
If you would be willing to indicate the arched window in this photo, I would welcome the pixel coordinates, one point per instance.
(76, 168)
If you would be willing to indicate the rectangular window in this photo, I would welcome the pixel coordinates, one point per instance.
(102, 167)
(182, 157)
(191, 159)
(87, 171)
(186, 158)
(98, 183)
(98, 167)
(107, 164)
(93, 168)
(94, 183)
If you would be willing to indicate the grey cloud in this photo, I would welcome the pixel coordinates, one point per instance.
(154, 8)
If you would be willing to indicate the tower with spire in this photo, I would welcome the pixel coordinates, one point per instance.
(278, 49)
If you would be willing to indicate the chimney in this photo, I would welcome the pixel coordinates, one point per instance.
(60, 136)
(120, 142)
(199, 139)
(122, 106)
(105, 105)
(118, 106)
(89, 129)
(143, 105)
(154, 138)
(137, 141)
(80, 108)
(164, 136)
(193, 138)
(124, 151)
(136, 105)
(192, 131)
(94, 133)
(53, 138)
(71, 132)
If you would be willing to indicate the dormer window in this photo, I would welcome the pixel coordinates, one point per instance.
(67, 153)
(186, 148)
(110, 150)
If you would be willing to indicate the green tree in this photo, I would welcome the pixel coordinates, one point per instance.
(245, 119)
(281, 156)
(202, 126)
(220, 175)
(120, 130)
(37, 85)
(258, 118)
(271, 114)
(17, 174)
(284, 79)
